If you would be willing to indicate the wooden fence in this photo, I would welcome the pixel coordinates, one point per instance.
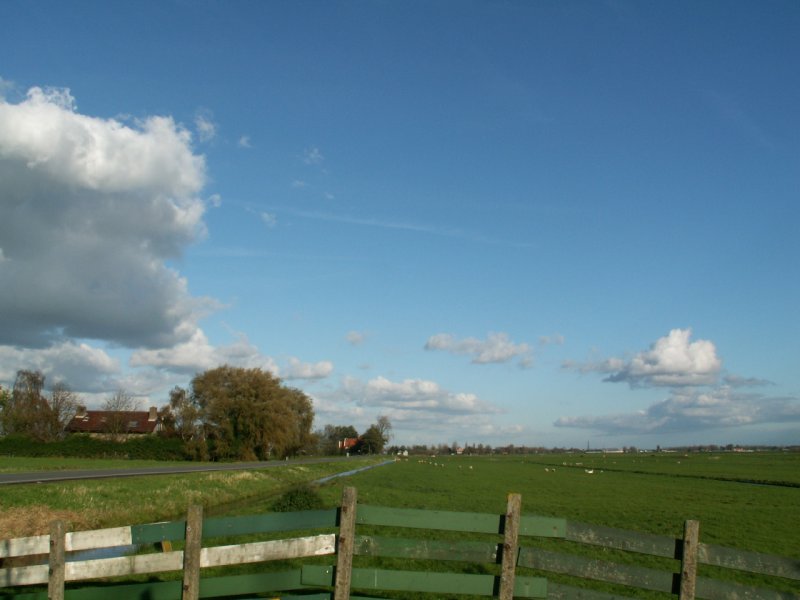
(499, 566)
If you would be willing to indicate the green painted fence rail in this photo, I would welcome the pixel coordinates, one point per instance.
(378, 552)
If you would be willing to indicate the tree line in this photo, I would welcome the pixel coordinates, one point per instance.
(226, 413)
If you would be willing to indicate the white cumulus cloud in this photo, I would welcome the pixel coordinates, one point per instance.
(672, 360)
(92, 208)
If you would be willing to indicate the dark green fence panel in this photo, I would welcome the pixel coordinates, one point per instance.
(426, 549)
(643, 543)
(235, 585)
(152, 533)
(428, 519)
(598, 570)
(754, 562)
(288, 521)
(542, 526)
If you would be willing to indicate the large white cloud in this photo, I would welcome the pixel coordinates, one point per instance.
(91, 209)
(691, 410)
(496, 348)
(672, 361)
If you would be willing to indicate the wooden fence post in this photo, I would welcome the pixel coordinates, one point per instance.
(691, 541)
(345, 543)
(510, 547)
(191, 553)
(55, 583)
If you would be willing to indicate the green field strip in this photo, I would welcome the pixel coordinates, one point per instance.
(419, 549)
(288, 521)
(621, 539)
(753, 562)
(429, 519)
(152, 533)
(597, 570)
(713, 589)
(536, 526)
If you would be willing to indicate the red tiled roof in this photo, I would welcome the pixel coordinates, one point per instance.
(96, 421)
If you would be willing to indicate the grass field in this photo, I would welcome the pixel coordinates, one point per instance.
(646, 493)
(626, 491)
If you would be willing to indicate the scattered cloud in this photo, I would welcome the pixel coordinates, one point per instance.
(313, 156)
(551, 340)
(732, 112)
(244, 142)
(356, 338)
(205, 126)
(269, 219)
(299, 184)
(671, 361)
(736, 381)
(692, 410)
(417, 409)
(301, 370)
(78, 190)
(412, 395)
(198, 354)
(215, 200)
(496, 348)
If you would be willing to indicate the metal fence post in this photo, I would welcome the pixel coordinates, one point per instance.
(345, 543)
(55, 581)
(191, 553)
(691, 540)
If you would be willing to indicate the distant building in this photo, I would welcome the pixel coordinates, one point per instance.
(119, 422)
(347, 443)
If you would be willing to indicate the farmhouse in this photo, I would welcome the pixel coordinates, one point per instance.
(116, 422)
(348, 443)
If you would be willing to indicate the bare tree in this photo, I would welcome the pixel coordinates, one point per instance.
(117, 405)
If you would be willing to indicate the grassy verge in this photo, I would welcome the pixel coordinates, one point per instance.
(28, 509)
(16, 464)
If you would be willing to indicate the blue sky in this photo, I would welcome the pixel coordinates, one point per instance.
(539, 223)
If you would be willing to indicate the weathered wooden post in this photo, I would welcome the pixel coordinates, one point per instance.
(345, 543)
(55, 582)
(691, 542)
(510, 547)
(191, 553)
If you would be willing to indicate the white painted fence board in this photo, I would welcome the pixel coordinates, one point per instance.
(76, 540)
(24, 575)
(99, 538)
(38, 544)
(124, 565)
(317, 545)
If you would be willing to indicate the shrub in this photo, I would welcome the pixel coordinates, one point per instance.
(301, 497)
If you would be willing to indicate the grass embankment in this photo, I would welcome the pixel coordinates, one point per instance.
(27, 509)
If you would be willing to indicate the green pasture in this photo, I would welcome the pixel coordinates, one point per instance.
(640, 492)
(652, 496)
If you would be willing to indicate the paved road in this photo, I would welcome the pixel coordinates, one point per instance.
(51, 476)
